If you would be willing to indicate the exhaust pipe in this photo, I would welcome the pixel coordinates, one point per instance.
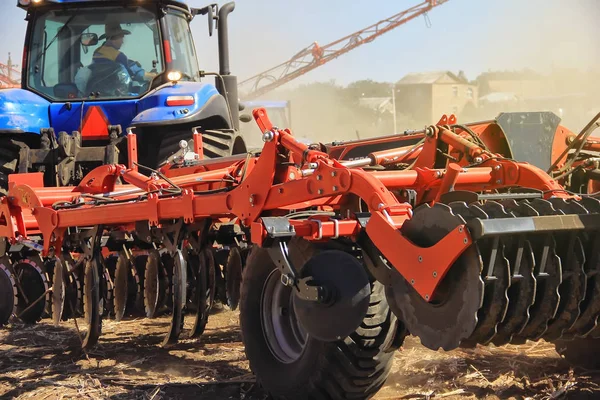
(228, 87)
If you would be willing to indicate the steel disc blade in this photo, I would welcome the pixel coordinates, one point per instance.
(573, 287)
(107, 288)
(521, 289)
(521, 293)
(164, 287)
(233, 277)
(590, 307)
(32, 285)
(346, 279)
(178, 289)
(8, 292)
(548, 274)
(200, 299)
(58, 291)
(138, 272)
(211, 276)
(91, 302)
(121, 286)
(495, 275)
(74, 294)
(110, 269)
(451, 316)
(220, 260)
(153, 284)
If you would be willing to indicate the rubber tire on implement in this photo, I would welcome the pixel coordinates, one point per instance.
(355, 367)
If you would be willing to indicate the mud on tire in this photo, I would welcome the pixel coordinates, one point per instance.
(353, 368)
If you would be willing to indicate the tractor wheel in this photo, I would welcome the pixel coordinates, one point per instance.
(215, 144)
(289, 363)
(9, 156)
(581, 352)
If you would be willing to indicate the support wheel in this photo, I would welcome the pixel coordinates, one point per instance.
(581, 352)
(289, 363)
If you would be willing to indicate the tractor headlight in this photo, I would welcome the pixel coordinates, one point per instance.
(174, 76)
(26, 3)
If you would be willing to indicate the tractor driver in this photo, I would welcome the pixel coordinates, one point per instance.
(110, 51)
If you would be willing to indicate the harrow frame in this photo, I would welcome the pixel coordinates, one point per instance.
(490, 208)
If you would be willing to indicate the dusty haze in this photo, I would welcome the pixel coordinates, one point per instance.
(559, 41)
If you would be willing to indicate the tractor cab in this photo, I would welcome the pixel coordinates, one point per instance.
(78, 50)
(94, 69)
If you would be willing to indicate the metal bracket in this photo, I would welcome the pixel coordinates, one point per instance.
(362, 218)
(277, 228)
(279, 253)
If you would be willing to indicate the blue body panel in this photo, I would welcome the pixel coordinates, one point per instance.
(22, 111)
(117, 113)
(152, 107)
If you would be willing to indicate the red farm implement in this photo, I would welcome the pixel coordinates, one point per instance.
(345, 248)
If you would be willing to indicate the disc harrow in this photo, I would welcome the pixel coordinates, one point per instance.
(465, 246)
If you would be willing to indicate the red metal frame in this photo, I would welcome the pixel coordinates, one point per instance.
(265, 185)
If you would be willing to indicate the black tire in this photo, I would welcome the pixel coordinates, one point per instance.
(581, 352)
(353, 368)
(9, 157)
(216, 144)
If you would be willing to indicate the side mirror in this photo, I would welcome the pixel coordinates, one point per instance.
(211, 10)
(89, 39)
(245, 118)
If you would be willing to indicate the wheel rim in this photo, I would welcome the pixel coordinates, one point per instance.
(284, 335)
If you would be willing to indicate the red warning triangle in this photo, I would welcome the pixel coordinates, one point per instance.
(95, 124)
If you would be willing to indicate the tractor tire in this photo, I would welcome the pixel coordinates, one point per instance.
(290, 364)
(9, 156)
(580, 352)
(215, 143)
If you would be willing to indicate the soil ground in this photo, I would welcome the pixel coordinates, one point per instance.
(45, 362)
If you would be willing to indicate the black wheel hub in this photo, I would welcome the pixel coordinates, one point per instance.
(347, 283)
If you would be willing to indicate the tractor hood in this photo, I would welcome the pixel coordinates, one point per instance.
(181, 103)
(22, 112)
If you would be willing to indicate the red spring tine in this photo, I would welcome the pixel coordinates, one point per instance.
(132, 149)
(198, 144)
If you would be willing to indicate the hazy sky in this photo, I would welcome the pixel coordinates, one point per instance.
(468, 35)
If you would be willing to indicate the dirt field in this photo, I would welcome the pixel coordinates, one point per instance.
(44, 362)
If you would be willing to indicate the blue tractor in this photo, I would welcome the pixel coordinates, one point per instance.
(94, 69)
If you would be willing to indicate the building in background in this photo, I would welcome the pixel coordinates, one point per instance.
(427, 96)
